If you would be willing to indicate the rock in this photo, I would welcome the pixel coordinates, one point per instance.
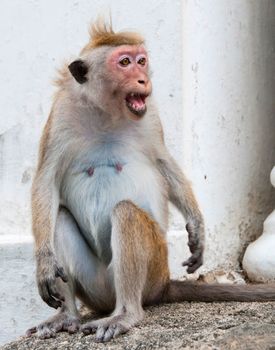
(222, 276)
(249, 336)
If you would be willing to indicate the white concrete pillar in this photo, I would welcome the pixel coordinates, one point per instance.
(228, 119)
(259, 258)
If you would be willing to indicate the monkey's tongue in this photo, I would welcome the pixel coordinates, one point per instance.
(136, 101)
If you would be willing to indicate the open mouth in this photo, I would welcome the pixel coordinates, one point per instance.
(136, 103)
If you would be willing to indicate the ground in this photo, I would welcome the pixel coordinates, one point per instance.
(240, 326)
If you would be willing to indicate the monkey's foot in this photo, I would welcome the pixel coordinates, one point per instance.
(110, 327)
(62, 322)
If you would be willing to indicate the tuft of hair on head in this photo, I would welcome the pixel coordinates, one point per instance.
(102, 33)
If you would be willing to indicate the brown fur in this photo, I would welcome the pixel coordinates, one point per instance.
(63, 77)
(178, 291)
(143, 235)
(44, 142)
(102, 34)
(41, 224)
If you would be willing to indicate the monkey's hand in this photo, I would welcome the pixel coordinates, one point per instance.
(196, 247)
(47, 273)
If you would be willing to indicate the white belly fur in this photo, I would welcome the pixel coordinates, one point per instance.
(91, 199)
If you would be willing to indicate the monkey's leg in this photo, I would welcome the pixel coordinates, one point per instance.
(140, 269)
(82, 269)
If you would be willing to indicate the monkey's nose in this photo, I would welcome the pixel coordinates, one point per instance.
(141, 82)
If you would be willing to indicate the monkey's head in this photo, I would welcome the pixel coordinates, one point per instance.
(113, 72)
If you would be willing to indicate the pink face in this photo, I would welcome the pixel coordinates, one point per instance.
(128, 66)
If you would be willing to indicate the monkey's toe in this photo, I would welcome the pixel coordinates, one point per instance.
(107, 333)
(108, 328)
(61, 322)
(45, 332)
(69, 324)
(88, 328)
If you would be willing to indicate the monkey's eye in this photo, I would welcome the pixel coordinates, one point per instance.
(124, 61)
(142, 61)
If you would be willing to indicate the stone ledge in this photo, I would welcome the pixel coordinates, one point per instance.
(240, 326)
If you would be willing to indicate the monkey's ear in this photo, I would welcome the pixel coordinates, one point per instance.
(79, 70)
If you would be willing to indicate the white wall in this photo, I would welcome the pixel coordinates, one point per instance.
(229, 118)
(36, 37)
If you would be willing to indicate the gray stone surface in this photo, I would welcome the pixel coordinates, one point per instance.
(240, 326)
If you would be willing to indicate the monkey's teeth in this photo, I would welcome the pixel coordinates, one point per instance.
(136, 103)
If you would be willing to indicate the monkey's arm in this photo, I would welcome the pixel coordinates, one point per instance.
(181, 195)
(45, 204)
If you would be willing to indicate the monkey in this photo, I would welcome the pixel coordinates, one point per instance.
(100, 197)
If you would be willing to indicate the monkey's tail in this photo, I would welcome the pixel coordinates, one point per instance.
(178, 291)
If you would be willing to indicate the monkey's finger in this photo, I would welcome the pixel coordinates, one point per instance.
(193, 258)
(185, 263)
(58, 296)
(55, 303)
(194, 267)
(31, 331)
(190, 261)
(46, 296)
(60, 273)
(193, 263)
(43, 291)
(54, 292)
